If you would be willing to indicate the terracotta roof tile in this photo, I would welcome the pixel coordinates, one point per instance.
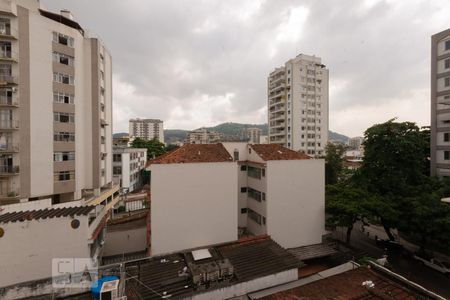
(277, 152)
(29, 215)
(194, 153)
(348, 285)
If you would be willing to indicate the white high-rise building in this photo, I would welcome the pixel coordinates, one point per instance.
(147, 129)
(298, 105)
(440, 103)
(55, 106)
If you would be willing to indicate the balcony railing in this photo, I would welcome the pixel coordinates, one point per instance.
(9, 170)
(8, 79)
(8, 55)
(9, 124)
(8, 101)
(9, 148)
(9, 193)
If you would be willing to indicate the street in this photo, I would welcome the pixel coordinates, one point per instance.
(405, 266)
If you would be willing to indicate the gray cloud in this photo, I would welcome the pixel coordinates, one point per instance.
(194, 63)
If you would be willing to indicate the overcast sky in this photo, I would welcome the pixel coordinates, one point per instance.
(200, 63)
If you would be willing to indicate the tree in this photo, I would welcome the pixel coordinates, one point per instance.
(334, 162)
(344, 206)
(426, 219)
(171, 147)
(395, 162)
(154, 147)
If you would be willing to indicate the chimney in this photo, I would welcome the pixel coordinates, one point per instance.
(67, 14)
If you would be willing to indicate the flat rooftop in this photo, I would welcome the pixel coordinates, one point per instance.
(251, 258)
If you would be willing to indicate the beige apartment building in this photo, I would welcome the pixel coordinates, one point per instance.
(253, 135)
(202, 136)
(55, 106)
(298, 105)
(147, 129)
(440, 103)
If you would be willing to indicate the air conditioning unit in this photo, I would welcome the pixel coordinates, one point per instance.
(110, 291)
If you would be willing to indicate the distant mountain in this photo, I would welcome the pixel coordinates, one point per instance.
(230, 131)
(120, 134)
(337, 137)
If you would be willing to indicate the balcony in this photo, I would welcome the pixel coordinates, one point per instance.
(8, 80)
(8, 101)
(9, 170)
(9, 124)
(8, 55)
(9, 148)
(8, 33)
(9, 194)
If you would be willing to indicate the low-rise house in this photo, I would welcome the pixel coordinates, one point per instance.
(202, 194)
(34, 233)
(127, 166)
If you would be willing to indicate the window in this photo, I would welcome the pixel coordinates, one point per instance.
(63, 117)
(63, 156)
(447, 81)
(447, 63)
(236, 155)
(64, 175)
(254, 172)
(264, 220)
(117, 170)
(243, 190)
(254, 194)
(446, 155)
(64, 137)
(63, 98)
(263, 172)
(117, 157)
(63, 59)
(264, 196)
(63, 78)
(446, 136)
(243, 210)
(447, 45)
(254, 216)
(243, 168)
(63, 39)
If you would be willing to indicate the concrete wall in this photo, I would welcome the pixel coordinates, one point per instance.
(192, 205)
(296, 202)
(125, 241)
(28, 247)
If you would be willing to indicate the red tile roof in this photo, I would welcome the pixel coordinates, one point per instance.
(194, 153)
(277, 152)
(348, 285)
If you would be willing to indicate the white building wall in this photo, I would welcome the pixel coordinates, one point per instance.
(296, 202)
(56, 239)
(193, 204)
(125, 170)
(125, 241)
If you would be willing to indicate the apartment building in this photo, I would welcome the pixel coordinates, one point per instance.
(253, 135)
(203, 136)
(127, 166)
(55, 106)
(440, 103)
(147, 129)
(355, 143)
(298, 105)
(205, 194)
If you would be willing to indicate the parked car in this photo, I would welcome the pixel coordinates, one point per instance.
(438, 265)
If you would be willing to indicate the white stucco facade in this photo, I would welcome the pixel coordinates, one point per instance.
(193, 204)
(127, 166)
